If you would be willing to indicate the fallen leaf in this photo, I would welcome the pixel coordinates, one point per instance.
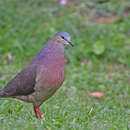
(97, 94)
(100, 19)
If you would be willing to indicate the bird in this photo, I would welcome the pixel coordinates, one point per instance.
(43, 76)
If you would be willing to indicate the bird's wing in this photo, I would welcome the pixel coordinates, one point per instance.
(23, 83)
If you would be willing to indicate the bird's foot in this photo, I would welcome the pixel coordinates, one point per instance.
(37, 112)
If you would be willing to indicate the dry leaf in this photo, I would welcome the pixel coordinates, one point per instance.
(100, 19)
(97, 94)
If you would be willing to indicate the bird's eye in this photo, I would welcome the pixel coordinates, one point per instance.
(63, 37)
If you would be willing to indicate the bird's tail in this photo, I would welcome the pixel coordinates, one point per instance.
(2, 93)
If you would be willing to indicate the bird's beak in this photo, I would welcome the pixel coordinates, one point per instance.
(69, 42)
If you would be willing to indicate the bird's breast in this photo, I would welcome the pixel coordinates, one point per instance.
(52, 75)
(55, 76)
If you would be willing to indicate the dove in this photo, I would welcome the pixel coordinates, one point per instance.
(42, 77)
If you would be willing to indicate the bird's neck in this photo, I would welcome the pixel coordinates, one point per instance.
(51, 54)
(54, 50)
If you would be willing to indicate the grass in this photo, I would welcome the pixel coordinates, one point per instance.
(99, 62)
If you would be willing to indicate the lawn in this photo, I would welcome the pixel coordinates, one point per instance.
(100, 61)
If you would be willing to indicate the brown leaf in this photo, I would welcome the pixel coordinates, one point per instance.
(100, 19)
(97, 94)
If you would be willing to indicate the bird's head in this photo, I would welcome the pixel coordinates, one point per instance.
(62, 38)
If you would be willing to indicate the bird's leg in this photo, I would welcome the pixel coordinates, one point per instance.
(37, 112)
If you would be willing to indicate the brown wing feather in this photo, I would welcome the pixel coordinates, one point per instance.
(23, 83)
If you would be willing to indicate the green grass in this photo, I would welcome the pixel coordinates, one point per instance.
(100, 61)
